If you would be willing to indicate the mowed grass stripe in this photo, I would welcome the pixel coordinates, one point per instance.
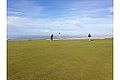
(60, 60)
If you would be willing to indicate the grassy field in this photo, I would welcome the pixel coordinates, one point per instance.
(60, 60)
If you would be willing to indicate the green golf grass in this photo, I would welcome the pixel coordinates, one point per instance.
(60, 60)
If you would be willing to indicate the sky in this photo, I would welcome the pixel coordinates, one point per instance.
(69, 17)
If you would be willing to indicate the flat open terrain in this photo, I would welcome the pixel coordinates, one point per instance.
(60, 60)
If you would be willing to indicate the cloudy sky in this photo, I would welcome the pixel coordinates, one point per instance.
(69, 17)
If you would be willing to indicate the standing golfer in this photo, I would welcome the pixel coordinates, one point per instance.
(52, 37)
(89, 35)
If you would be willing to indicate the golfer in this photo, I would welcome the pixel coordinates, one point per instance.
(52, 37)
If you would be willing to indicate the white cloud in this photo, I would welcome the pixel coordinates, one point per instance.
(16, 13)
(14, 21)
(72, 25)
(25, 7)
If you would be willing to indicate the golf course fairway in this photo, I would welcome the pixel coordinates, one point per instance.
(60, 60)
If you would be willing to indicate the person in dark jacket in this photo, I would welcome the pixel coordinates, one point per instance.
(52, 37)
(89, 36)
